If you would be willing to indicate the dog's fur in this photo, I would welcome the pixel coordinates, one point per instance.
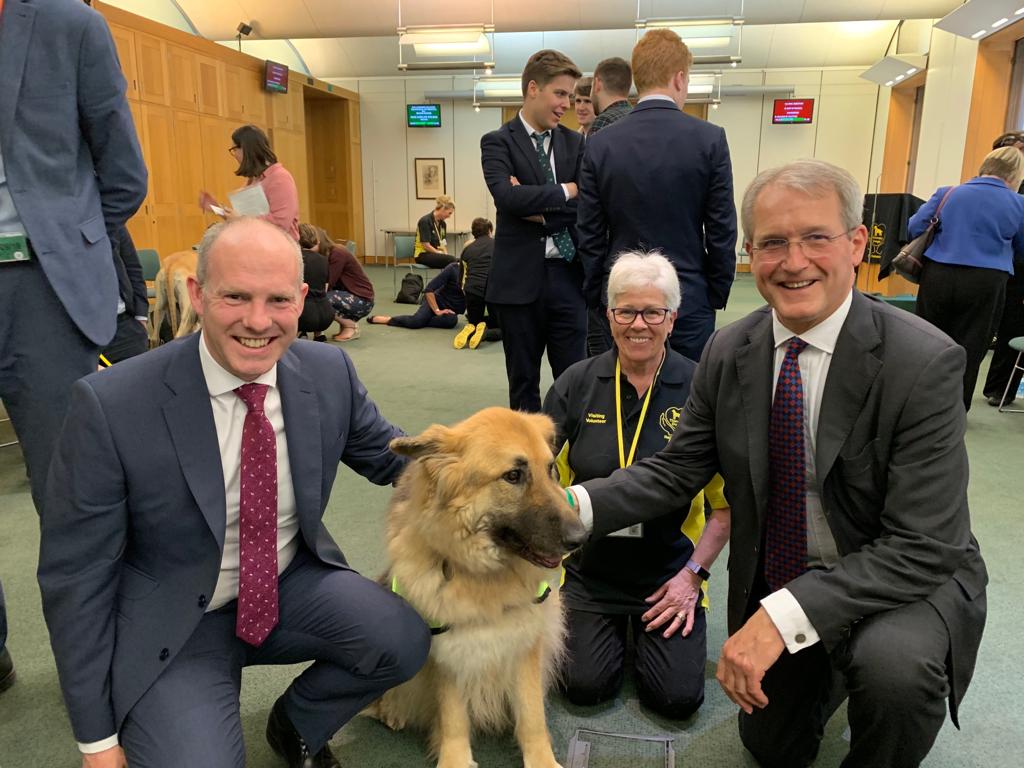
(476, 524)
(172, 296)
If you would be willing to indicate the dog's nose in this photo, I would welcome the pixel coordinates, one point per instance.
(573, 534)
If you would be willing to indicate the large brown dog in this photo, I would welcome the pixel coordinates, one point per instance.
(476, 533)
(172, 296)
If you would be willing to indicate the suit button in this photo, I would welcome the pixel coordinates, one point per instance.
(202, 601)
(164, 654)
(800, 637)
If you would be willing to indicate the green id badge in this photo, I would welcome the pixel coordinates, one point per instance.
(14, 248)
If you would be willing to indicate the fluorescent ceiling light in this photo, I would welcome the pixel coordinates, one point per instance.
(979, 18)
(440, 35)
(456, 48)
(893, 69)
(706, 42)
(700, 89)
(693, 22)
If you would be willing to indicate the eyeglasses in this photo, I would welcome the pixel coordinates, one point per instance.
(651, 315)
(232, 150)
(813, 243)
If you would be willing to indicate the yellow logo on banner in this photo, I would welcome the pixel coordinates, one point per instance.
(877, 241)
(669, 420)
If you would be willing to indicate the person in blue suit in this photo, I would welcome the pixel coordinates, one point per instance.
(71, 172)
(659, 179)
(530, 165)
(183, 536)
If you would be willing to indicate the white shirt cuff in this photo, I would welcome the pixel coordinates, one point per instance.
(98, 746)
(565, 191)
(586, 508)
(791, 621)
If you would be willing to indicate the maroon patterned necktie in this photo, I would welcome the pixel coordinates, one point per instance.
(257, 521)
(785, 549)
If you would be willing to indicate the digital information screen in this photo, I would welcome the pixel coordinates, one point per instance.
(276, 80)
(793, 111)
(423, 115)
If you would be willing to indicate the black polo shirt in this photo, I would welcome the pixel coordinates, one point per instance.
(614, 574)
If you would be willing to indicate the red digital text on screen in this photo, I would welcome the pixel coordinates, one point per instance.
(790, 111)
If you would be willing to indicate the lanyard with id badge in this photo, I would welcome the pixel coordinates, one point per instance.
(633, 531)
(14, 247)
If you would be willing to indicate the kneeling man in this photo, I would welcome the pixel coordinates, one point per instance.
(182, 534)
(852, 567)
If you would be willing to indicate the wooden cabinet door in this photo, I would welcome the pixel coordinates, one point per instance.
(181, 68)
(211, 85)
(218, 165)
(297, 104)
(158, 125)
(188, 156)
(281, 108)
(151, 67)
(290, 148)
(140, 226)
(254, 98)
(124, 41)
(233, 107)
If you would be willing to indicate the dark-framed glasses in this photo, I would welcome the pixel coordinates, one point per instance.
(651, 315)
(816, 242)
(232, 150)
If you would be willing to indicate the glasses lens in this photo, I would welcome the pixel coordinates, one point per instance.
(624, 316)
(654, 316)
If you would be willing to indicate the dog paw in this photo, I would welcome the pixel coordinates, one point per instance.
(457, 764)
(541, 763)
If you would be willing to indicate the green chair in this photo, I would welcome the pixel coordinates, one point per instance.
(405, 246)
(150, 261)
(350, 246)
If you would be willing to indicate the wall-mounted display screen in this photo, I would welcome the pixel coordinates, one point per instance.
(423, 115)
(276, 77)
(793, 111)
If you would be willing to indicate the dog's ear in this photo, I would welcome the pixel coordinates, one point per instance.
(545, 426)
(432, 441)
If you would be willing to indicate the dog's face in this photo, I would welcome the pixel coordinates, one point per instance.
(490, 489)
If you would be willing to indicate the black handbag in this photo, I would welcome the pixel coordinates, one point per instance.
(910, 260)
(411, 290)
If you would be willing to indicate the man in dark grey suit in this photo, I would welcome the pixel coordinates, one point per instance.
(660, 179)
(71, 171)
(852, 567)
(182, 535)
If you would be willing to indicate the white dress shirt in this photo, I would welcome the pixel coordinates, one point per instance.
(550, 249)
(229, 417)
(783, 609)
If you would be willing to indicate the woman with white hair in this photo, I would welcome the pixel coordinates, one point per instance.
(611, 410)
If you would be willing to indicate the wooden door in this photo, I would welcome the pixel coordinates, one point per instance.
(218, 166)
(290, 148)
(159, 150)
(211, 85)
(140, 226)
(233, 106)
(181, 67)
(151, 67)
(124, 41)
(189, 162)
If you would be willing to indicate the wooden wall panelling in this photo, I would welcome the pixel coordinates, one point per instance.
(290, 148)
(210, 81)
(328, 138)
(218, 166)
(140, 226)
(182, 75)
(989, 101)
(151, 66)
(254, 98)
(189, 177)
(124, 41)
(233, 103)
(355, 175)
(159, 151)
(898, 136)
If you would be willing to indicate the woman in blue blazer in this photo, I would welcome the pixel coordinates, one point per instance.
(964, 277)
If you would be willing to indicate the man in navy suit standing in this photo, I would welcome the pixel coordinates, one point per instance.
(71, 173)
(530, 165)
(661, 179)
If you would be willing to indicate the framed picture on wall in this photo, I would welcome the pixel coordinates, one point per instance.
(429, 177)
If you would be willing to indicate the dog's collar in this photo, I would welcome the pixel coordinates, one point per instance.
(437, 628)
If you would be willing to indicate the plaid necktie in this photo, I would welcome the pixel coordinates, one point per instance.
(562, 238)
(785, 549)
(257, 521)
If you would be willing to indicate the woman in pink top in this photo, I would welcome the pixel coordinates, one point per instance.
(258, 164)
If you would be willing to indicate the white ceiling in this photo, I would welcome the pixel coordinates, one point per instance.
(356, 38)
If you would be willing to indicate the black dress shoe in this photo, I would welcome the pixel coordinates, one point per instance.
(286, 741)
(6, 670)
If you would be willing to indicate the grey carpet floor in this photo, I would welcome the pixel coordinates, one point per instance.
(418, 379)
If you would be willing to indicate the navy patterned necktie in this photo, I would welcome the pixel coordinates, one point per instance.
(785, 548)
(563, 240)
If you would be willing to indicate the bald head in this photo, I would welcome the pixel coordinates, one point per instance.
(236, 236)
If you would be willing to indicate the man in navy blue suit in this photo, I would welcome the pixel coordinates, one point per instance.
(183, 538)
(530, 165)
(661, 179)
(71, 173)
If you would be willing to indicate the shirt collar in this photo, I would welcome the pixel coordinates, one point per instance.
(530, 130)
(220, 381)
(658, 96)
(823, 336)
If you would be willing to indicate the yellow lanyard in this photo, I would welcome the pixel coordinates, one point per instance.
(437, 231)
(623, 461)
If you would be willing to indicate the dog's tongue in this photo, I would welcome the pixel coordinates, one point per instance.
(550, 562)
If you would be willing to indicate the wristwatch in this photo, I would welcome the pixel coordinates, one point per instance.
(697, 568)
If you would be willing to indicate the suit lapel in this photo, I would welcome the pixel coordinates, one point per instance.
(189, 418)
(852, 371)
(754, 373)
(305, 453)
(522, 140)
(15, 37)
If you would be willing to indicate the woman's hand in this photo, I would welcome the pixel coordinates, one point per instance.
(675, 604)
(207, 201)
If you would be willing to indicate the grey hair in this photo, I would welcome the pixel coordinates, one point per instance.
(1007, 163)
(636, 270)
(811, 177)
(213, 234)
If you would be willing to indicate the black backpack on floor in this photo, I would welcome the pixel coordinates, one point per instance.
(411, 290)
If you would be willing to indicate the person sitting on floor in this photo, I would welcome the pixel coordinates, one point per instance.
(443, 302)
(348, 288)
(480, 326)
(317, 313)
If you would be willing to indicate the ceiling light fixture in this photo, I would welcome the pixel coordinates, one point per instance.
(978, 18)
(458, 46)
(894, 69)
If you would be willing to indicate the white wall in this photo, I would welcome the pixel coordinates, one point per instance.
(390, 149)
(946, 108)
(848, 117)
